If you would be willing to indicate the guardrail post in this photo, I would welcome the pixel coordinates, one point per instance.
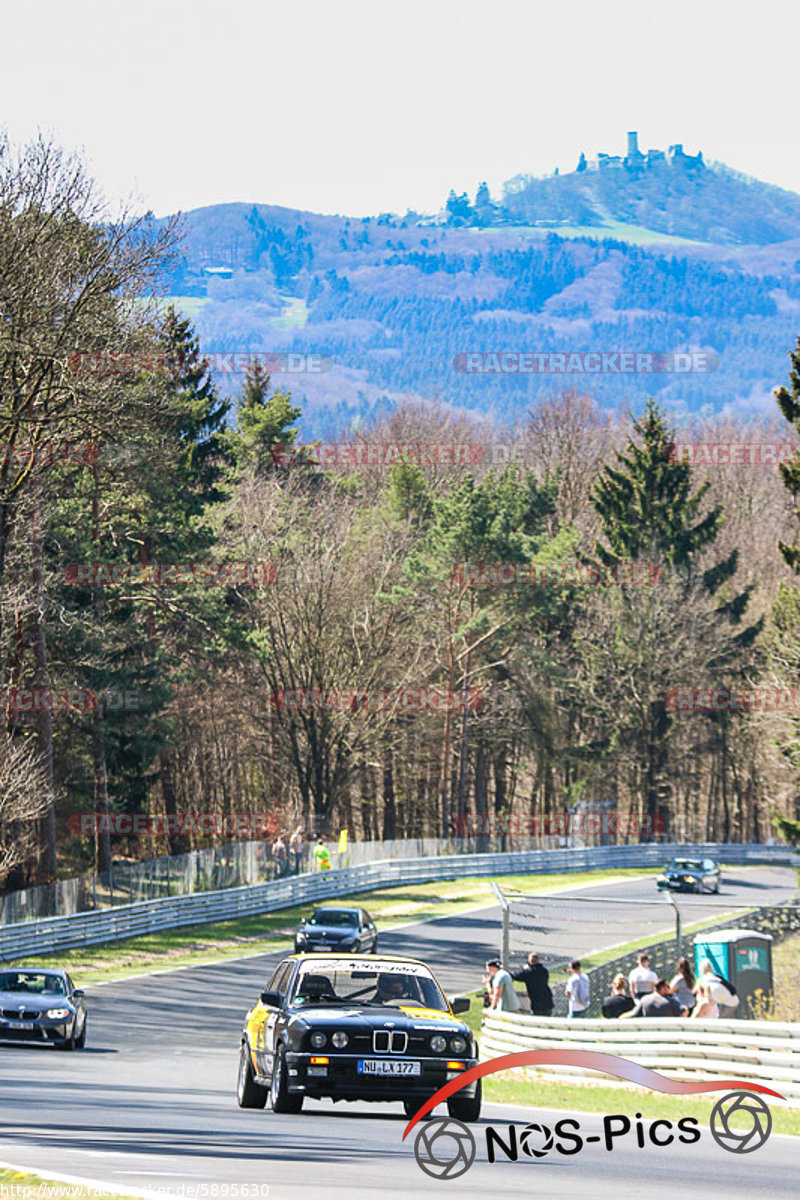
(505, 946)
(678, 928)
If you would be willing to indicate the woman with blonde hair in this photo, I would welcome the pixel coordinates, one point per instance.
(619, 1001)
(706, 1005)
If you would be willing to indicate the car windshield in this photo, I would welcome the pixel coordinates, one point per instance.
(32, 982)
(684, 864)
(386, 983)
(333, 916)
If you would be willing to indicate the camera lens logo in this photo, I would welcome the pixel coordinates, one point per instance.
(741, 1122)
(536, 1140)
(444, 1148)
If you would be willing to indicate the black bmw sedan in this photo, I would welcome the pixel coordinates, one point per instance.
(690, 875)
(41, 1006)
(356, 1028)
(348, 929)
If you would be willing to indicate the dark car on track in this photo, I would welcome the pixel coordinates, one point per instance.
(43, 1007)
(690, 875)
(355, 1028)
(348, 929)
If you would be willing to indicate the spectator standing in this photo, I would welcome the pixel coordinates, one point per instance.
(706, 1005)
(280, 856)
(658, 1003)
(720, 991)
(619, 1001)
(322, 856)
(577, 990)
(683, 984)
(296, 849)
(502, 997)
(642, 979)
(536, 978)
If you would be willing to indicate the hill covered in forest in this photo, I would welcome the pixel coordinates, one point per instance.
(656, 253)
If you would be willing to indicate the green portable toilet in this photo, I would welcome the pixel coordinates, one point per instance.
(742, 956)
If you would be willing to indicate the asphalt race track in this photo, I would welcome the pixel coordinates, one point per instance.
(150, 1103)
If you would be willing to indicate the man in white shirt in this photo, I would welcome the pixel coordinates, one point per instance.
(577, 990)
(642, 980)
(502, 997)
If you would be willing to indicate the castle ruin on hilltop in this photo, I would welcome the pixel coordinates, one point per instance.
(635, 160)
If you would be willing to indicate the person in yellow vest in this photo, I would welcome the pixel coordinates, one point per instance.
(322, 855)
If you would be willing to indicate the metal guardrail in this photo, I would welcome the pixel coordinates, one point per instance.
(757, 1051)
(148, 916)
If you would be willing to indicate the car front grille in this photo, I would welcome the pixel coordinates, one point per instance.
(390, 1041)
(13, 1014)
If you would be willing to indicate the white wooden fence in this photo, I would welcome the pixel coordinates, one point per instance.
(765, 1052)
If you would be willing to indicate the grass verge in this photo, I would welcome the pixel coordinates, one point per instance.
(21, 1185)
(515, 1087)
(219, 941)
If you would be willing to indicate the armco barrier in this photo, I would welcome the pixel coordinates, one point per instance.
(129, 920)
(765, 1052)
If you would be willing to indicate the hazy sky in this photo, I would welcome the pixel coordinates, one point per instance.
(361, 106)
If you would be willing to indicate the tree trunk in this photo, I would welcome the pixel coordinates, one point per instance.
(44, 716)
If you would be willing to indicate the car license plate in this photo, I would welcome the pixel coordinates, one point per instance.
(383, 1066)
(20, 1024)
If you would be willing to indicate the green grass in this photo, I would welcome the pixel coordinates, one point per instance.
(294, 315)
(188, 306)
(22, 1185)
(621, 231)
(219, 941)
(513, 1087)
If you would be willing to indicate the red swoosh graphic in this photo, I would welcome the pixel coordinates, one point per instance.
(609, 1064)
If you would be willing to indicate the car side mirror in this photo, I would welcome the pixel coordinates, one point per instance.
(271, 999)
(460, 1004)
(78, 993)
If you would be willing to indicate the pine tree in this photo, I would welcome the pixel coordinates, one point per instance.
(651, 514)
(789, 404)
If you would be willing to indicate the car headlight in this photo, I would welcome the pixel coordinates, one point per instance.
(438, 1043)
(58, 1014)
(458, 1045)
(340, 1039)
(318, 1040)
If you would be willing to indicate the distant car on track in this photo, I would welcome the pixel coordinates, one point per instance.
(348, 929)
(690, 875)
(41, 1006)
(355, 1028)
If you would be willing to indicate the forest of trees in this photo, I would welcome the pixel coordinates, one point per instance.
(246, 694)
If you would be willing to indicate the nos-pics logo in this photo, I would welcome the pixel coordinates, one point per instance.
(445, 1148)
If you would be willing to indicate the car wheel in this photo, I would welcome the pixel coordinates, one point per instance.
(375, 945)
(80, 1041)
(698, 888)
(465, 1108)
(68, 1043)
(280, 1098)
(249, 1094)
(716, 888)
